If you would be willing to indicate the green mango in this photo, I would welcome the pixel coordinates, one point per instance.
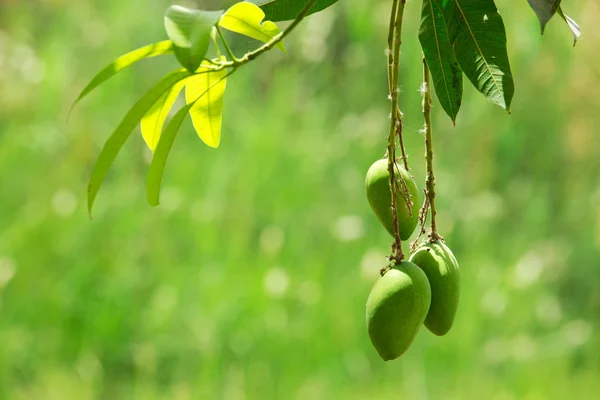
(396, 309)
(441, 268)
(380, 198)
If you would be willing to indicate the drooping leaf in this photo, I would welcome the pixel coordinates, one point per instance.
(545, 10)
(206, 90)
(115, 142)
(190, 32)
(126, 60)
(572, 25)
(285, 10)
(154, 120)
(445, 71)
(247, 19)
(159, 160)
(478, 38)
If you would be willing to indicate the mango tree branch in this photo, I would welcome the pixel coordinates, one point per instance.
(236, 63)
(430, 180)
(395, 120)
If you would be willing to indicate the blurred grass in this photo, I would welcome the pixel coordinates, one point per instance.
(250, 279)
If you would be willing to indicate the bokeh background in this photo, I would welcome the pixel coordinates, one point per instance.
(250, 280)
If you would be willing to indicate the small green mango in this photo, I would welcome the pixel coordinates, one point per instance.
(441, 268)
(396, 309)
(380, 198)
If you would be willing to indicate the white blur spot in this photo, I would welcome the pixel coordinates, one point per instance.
(357, 365)
(494, 303)
(528, 270)
(271, 240)
(309, 293)
(7, 270)
(171, 199)
(523, 348)
(88, 366)
(276, 282)
(548, 310)
(495, 350)
(64, 203)
(577, 333)
(165, 298)
(348, 228)
(371, 263)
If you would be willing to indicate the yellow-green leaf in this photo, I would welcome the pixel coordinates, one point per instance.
(115, 142)
(126, 60)
(247, 19)
(206, 89)
(154, 120)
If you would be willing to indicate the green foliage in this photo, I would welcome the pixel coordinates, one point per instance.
(573, 26)
(545, 10)
(478, 37)
(115, 142)
(445, 71)
(205, 92)
(152, 123)
(126, 60)
(159, 160)
(177, 302)
(284, 10)
(190, 31)
(247, 19)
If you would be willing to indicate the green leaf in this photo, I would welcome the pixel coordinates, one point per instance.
(478, 37)
(154, 120)
(126, 60)
(190, 32)
(572, 25)
(445, 71)
(285, 10)
(545, 10)
(206, 91)
(115, 142)
(157, 166)
(247, 19)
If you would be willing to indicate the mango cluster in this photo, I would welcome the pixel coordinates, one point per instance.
(421, 291)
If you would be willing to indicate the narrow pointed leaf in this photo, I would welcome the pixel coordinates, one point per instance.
(445, 71)
(572, 25)
(126, 60)
(206, 90)
(159, 160)
(154, 120)
(285, 10)
(190, 32)
(247, 19)
(115, 142)
(545, 10)
(478, 38)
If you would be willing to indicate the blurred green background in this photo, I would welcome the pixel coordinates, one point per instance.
(250, 280)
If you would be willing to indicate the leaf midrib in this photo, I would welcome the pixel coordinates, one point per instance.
(440, 55)
(479, 48)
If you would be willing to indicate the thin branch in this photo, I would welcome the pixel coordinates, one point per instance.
(430, 180)
(395, 122)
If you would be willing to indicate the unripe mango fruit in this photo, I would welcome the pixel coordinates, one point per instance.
(380, 198)
(396, 309)
(441, 268)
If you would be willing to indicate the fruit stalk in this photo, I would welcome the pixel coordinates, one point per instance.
(394, 40)
(430, 180)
